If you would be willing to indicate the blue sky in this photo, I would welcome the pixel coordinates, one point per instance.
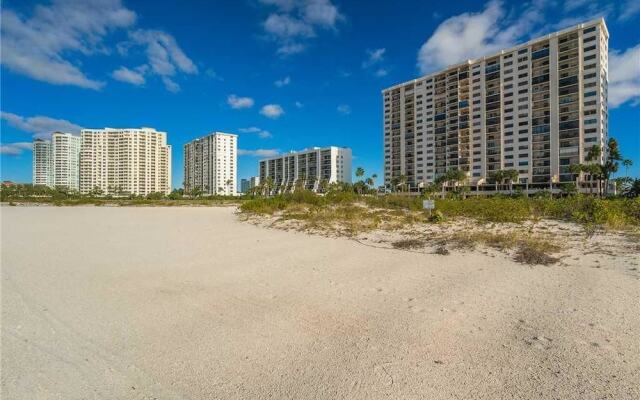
(283, 74)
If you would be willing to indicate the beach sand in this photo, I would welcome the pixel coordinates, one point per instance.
(191, 303)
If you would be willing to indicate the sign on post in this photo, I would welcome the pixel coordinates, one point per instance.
(428, 204)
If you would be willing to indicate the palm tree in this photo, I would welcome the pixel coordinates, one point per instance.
(627, 163)
(498, 177)
(511, 175)
(229, 183)
(324, 184)
(575, 170)
(373, 178)
(268, 185)
(359, 183)
(402, 182)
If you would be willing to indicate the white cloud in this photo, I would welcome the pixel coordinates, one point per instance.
(282, 82)
(290, 49)
(260, 132)
(41, 45)
(127, 75)
(239, 102)
(272, 111)
(344, 109)
(471, 35)
(628, 10)
(15, 149)
(211, 73)
(380, 72)
(46, 45)
(165, 58)
(259, 152)
(374, 57)
(298, 20)
(285, 27)
(624, 76)
(39, 126)
(298, 104)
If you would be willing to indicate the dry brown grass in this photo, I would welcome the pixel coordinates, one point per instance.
(408, 244)
(529, 249)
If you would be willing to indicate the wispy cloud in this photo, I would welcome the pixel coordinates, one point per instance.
(40, 126)
(15, 149)
(272, 111)
(127, 75)
(380, 72)
(344, 109)
(259, 152)
(296, 21)
(298, 104)
(375, 60)
(164, 57)
(628, 10)
(624, 77)
(260, 132)
(237, 102)
(374, 57)
(42, 46)
(282, 82)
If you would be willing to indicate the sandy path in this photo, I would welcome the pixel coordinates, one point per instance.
(189, 303)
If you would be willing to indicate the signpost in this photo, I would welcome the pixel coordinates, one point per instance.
(428, 205)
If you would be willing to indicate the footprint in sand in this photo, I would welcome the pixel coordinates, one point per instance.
(539, 342)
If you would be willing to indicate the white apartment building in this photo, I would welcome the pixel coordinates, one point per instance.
(125, 161)
(536, 108)
(56, 163)
(308, 168)
(210, 164)
(42, 163)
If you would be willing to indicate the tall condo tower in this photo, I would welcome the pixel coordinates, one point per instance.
(210, 164)
(125, 161)
(56, 162)
(536, 108)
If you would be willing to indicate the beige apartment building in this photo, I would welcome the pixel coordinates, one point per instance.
(210, 164)
(536, 108)
(125, 161)
(307, 168)
(56, 162)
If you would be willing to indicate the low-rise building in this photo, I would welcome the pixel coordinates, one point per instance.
(309, 168)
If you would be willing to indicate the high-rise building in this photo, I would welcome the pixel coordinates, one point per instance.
(307, 168)
(65, 149)
(247, 184)
(210, 164)
(56, 162)
(536, 108)
(125, 161)
(42, 163)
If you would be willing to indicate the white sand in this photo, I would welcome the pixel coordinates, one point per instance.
(189, 303)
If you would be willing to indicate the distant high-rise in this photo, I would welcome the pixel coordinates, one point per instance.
(307, 168)
(56, 162)
(42, 163)
(536, 108)
(125, 161)
(210, 164)
(247, 184)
